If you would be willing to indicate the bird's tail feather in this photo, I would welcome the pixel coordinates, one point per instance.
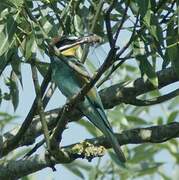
(116, 147)
(99, 119)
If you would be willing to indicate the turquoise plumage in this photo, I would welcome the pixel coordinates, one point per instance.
(70, 83)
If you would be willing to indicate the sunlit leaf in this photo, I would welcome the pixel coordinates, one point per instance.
(147, 69)
(172, 117)
(6, 36)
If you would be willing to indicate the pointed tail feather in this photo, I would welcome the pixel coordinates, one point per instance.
(115, 144)
(99, 119)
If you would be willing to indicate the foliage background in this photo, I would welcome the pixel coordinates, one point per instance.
(27, 26)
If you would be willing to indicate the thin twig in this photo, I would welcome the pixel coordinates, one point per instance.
(60, 127)
(11, 144)
(108, 23)
(94, 22)
(55, 9)
(40, 107)
(122, 22)
(115, 67)
(168, 13)
(130, 40)
(111, 97)
(49, 94)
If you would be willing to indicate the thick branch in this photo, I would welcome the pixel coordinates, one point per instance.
(154, 134)
(117, 94)
(111, 97)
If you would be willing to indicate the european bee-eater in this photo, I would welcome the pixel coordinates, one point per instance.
(70, 80)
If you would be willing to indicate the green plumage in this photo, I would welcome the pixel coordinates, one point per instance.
(70, 82)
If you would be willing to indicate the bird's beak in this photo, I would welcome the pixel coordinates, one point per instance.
(93, 38)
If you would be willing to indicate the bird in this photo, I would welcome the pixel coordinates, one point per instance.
(70, 75)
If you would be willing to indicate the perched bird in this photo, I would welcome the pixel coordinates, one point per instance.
(70, 75)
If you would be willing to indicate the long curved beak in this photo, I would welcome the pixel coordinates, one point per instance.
(82, 40)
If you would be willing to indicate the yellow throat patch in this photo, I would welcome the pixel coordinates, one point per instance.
(71, 51)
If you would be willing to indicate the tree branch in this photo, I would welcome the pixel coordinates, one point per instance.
(117, 94)
(94, 22)
(155, 100)
(110, 96)
(89, 149)
(13, 141)
(40, 108)
(108, 23)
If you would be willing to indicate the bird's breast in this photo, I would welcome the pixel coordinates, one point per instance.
(64, 78)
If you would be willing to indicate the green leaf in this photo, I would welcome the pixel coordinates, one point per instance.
(6, 58)
(74, 169)
(78, 24)
(134, 7)
(16, 3)
(16, 65)
(6, 36)
(149, 168)
(141, 151)
(172, 44)
(172, 117)
(160, 121)
(47, 26)
(3, 63)
(174, 103)
(113, 116)
(136, 120)
(147, 69)
(136, 111)
(144, 9)
(138, 47)
(5, 119)
(6, 96)
(42, 67)
(164, 176)
(90, 127)
(30, 47)
(173, 47)
(14, 91)
(115, 159)
(5, 43)
(50, 27)
(82, 165)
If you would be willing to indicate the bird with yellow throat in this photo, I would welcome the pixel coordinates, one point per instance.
(70, 75)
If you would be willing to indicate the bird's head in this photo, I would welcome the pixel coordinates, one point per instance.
(68, 46)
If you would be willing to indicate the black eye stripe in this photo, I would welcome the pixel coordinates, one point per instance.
(64, 42)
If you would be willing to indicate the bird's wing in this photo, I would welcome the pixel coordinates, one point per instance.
(82, 77)
(98, 117)
(92, 95)
(79, 69)
(95, 101)
(93, 109)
